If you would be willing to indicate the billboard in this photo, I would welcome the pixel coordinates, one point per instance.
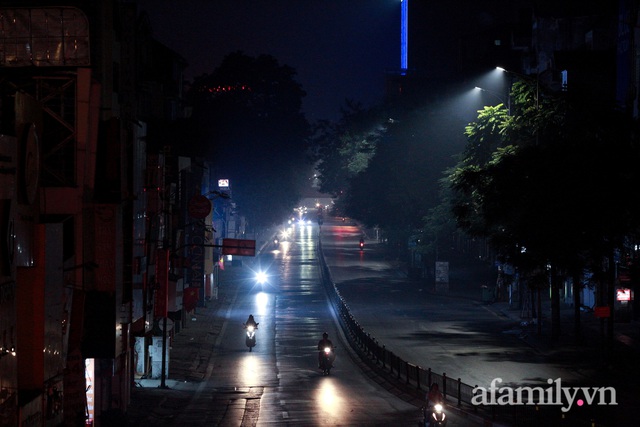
(241, 247)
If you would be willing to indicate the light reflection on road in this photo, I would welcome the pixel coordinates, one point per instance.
(262, 301)
(329, 400)
(249, 373)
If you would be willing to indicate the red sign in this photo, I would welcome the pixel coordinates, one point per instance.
(190, 298)
(199, 207)
(160, 306)
(238, 247)
(602, 311)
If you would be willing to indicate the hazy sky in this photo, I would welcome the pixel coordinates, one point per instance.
(340, 49)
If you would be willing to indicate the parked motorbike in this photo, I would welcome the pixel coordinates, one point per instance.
(434, 416)
(326, 361)
(250, 340)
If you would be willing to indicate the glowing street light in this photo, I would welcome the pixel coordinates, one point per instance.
(492, 93)
(526, 78)
(529, 78)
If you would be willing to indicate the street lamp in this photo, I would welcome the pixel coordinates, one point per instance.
(494, 94)
(537, 99)
(526, 78)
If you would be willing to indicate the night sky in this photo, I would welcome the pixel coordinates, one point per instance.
(340, 49)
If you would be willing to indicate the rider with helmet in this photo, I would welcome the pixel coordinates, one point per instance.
(322, 344)
(433, 398)
(250, 322)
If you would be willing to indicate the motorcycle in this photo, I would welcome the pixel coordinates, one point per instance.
(326, 360)
(250, 340)
(434, 416)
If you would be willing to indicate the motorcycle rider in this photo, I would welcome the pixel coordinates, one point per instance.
(322, 344)
(250, 322)
(434, 397)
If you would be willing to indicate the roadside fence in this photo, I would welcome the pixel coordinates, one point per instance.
(416, 379)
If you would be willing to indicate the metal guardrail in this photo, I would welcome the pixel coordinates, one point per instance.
(417, 379)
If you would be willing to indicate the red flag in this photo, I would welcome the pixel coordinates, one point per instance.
(190, 298)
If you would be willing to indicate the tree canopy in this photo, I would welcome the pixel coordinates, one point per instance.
(248, 122)
(384, 164)
(548, 183)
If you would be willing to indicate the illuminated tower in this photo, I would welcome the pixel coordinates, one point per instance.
(396, 80)
(404, 36)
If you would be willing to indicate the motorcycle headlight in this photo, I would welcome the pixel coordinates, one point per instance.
(327, 350)
(251, 328)
(261, 277)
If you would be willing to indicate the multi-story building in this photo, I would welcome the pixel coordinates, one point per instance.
(80, 230)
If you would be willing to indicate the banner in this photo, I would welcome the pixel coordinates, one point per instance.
(161, 303)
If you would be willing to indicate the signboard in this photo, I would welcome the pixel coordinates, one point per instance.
(199, 207)
(161, 294)
(602, 311)
(223, 183)
(623, 294)
(238, 247)
(442, 272)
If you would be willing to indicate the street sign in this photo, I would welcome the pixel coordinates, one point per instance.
(241, 247)
(199, 207)
(169, 324)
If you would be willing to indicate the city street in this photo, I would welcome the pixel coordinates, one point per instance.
(456, 333)
(277, 383)
(453, 335)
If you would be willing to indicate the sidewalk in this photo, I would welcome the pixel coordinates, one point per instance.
(190, 354)
(611, 362)
(467, 282)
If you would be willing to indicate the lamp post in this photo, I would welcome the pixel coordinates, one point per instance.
(495, 95)
(213, 281)
(199, 207)
(525, 77)
(537, 93)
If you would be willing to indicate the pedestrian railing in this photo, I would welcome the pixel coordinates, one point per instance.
(417, 379)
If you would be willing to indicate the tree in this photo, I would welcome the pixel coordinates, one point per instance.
(384, 163)
(342, 150)
(552, 192)
(249, 123)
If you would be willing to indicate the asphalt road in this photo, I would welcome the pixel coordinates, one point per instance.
(278, 382)
(215, 380)
(456, 334)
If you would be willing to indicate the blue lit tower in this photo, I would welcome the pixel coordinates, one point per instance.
(404, 36)
(396, 80)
